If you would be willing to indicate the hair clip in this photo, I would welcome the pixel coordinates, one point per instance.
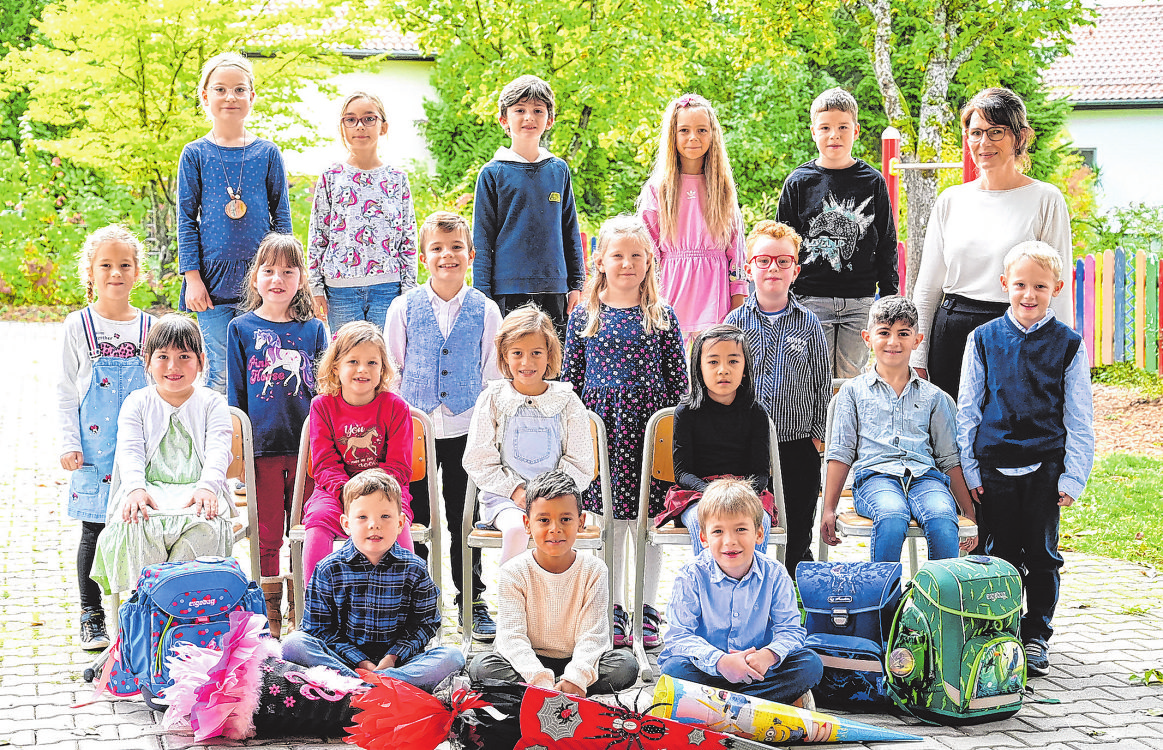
(688, 100)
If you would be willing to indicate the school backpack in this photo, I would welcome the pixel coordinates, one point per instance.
(175, 602)
(850, 606)
(953, 652)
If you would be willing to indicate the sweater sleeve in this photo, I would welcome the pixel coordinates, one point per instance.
(887, 277)
(482, 455)
(648, 210)
(484, 231)
(326, 464)
(189, 211)
(673, 355)
(575, 257)
(592, 628)
(787, 210)
(219, 436)
(68, 389)
(683, 448)
(398, 449)
(760, 447)
(513, 629)
(736, 258)
(278, 193)
(236, 378)
(318, 235)
(929, 289)
(577, 458)
(406, 249)
(1055, 231)
(573, 370)
(131, 447)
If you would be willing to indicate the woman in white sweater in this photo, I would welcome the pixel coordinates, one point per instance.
(971, 229)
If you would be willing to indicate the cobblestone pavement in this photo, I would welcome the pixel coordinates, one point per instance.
(1108, 623)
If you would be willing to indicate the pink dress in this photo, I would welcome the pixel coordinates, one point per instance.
(698, 275)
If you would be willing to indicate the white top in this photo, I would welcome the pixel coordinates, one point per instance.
(558, 615)
(144, 421)
(969, 234)
(77, 368)
(445, 424)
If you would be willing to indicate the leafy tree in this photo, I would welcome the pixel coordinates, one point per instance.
(117, 80)
(16, 32)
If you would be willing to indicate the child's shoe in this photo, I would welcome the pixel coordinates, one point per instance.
(483, 627)
(651, 627)
(806, 701)
(623, 635)
(272, 591)
(93, 635)
(1037, 658)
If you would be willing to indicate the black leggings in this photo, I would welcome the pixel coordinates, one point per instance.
(86, 551)
(799, 464)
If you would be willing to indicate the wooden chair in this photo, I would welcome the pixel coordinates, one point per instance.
(423, 456)
(658, 463)
(851, 523)
(591, 537)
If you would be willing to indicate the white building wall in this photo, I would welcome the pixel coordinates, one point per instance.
(1128, 147)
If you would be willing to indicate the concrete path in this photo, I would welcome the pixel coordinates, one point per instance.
(1108, 623)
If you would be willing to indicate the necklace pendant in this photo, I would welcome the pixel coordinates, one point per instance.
(236, 209)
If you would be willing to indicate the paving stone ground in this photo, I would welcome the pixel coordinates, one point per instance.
(1108, 622)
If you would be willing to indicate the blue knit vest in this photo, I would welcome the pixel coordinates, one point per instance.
(438, 370)
(1024, 392)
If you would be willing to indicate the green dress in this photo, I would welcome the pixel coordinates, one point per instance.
(171, 532)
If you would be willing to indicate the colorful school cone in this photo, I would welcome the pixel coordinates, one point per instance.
(757, 719)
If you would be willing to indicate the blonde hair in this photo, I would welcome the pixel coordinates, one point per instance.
(654, 317)
(1041, 253)
(720, 208)
(88, 254)
(353, 96)
(349, 336)
(730, 497)
(273, 249)
(524, 321)
(225, 60)
(836, 99)
(775, 230)
(369, 482)
(444, 221)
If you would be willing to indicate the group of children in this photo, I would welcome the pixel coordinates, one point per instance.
(482, 363)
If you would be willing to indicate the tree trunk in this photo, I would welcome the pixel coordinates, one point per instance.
(160, 221)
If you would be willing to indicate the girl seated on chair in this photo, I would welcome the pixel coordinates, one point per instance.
(524, 426)
(173, 450)
(719, 430)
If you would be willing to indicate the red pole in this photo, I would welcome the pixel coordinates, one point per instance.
(969, 171)
(890, 156)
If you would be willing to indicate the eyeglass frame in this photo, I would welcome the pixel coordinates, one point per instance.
(774, 260)
(357, 121)
(240, 92)
(984, 134)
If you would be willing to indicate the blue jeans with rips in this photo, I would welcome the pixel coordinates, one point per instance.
(891, 502)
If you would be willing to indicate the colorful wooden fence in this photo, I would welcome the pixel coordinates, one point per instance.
(1116, 308)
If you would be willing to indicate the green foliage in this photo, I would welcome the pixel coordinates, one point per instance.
(47, 207)
(16, 32)
(1117, 516)
(1148, 677)
(1125, 374)
(1135, 228)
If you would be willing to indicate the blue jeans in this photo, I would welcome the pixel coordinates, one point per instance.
(798, 673)
(843, 319)
(370, 303)
(690, 519)
(424, 670)
(891, 502)
(213, 324)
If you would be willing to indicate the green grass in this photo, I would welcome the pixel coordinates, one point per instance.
(1118, 515)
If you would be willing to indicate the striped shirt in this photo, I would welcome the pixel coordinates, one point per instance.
(793, 381)
(364, 612)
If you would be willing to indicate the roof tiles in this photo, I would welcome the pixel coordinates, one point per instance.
(1118, 59)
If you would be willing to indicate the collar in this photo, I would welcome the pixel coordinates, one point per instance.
(435, 298)
(718, 576)
(507, 399)
(752, 302)
(353, 556)
(504, 153)
(914, 378)
(1044, 321)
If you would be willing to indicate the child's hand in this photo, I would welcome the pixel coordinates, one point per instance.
(321, 306)
(967, 543)
(72, 461)
(204, 503)
(519, 497)
(571, 300)
(365, 664)
(197, 296)
(565, 686)
(1064, 500)
(763, 660)
(976, 493)
(819, 445)
(734, 667)
(828, 528)
(137, 501)
(388, 662)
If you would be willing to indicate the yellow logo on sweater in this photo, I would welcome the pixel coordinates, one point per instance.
(555, 197)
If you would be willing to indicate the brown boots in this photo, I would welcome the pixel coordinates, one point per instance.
(272, 591)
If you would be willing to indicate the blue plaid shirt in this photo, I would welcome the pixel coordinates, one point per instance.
(364, 612)
(793, 378)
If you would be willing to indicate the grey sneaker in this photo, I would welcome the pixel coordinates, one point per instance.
(1037, 658)
(93, 635)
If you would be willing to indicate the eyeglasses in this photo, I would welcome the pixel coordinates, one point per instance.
(994, 134)
(368, 121)
(782, 262)
(240, 92)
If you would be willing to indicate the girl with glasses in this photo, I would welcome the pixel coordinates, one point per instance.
(361, 248)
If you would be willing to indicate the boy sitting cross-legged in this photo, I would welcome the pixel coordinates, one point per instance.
(553, 627)
(372, 604)
(900, 433)
(733, 617)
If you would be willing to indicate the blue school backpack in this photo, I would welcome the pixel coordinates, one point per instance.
(175, 602)
(850, 607)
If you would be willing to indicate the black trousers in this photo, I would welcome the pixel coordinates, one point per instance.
(955, 319)
(450, 461)
(551, 304)
(86, 552)
(799, 464)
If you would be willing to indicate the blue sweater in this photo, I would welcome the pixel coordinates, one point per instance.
(525, 229)
(270, 375)
(209, 241)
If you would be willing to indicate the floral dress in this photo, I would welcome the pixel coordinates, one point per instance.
(624, 375)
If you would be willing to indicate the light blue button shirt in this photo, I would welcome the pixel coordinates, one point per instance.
(1077, 417)
(712, 614)
(874, 429)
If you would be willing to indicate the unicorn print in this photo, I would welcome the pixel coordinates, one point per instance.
(294, 362)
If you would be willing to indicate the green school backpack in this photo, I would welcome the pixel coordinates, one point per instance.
(953, 651)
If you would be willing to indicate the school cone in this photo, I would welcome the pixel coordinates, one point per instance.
(757, 719)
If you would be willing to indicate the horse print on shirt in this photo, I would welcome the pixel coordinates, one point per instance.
(295, 365)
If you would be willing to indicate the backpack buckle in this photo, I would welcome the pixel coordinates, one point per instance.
(840, 618)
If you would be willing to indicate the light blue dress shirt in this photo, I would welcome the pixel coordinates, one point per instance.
(1077, 417)
(712, 614)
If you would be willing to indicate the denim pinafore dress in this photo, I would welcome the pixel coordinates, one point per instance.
(532, 445)
(117, 372)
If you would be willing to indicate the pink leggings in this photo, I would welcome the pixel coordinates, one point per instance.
(321, 519)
